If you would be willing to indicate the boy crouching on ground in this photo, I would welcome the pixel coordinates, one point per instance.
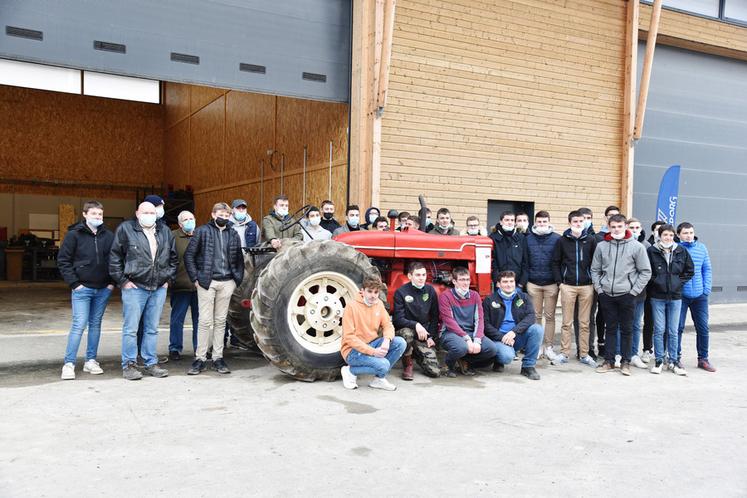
(362, 348)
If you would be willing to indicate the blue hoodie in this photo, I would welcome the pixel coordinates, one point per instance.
(701, 282)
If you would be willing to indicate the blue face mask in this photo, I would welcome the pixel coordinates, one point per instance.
(93, 223)
(462, 293)
(238, 216)
(506, 296)
(188, 226)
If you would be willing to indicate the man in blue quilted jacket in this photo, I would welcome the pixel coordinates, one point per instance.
(695, 294)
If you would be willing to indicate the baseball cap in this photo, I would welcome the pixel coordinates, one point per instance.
(153, 199)
(238, 202)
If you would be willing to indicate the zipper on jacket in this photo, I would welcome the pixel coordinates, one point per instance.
(577, 263)
(96, 247)
(614, 269)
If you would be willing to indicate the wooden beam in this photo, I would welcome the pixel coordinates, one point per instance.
(386, 55)
(648, 61)
(631, 62)
(378, 43)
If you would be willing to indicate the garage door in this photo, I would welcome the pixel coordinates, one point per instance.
(291, 47)
(697, 118)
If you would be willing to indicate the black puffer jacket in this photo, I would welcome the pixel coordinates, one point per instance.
(84, 256)
(571, 259)
(510, 254)
(494, 310)
(198, 258)
(667, 279)
(130, 258)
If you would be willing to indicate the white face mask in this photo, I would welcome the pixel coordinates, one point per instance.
(577, 230)
(666, 245)
(506, 228)
(463, 293)
(147, 220)
(353, 221)
(444, 227)
(371, 302)
(314, 221)
(372, 217)
(282, 212)
(618, 236)
(159, 212)
(587, 223)
(522, 226)
(542, 230)
(473, 231)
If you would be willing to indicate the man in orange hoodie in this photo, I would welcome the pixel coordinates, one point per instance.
(362, 348)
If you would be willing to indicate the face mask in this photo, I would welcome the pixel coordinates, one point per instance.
(462, 293)
(417, 286)
(443, 227)
(668, 245)
(314, 221)
(542, 230)
(371, 302)
(506, 296)
(618, 236)
(372, 217)
(221, 222)
(159, 212)
(428, 221)
(522, 226)
(328, 216)
(506, 228)
(238, 216)
(353, 221)
(636, 233)
(587, 223)
(94, 223)
(473, 231)
(282, 212)
(577, 231)
(188, 226)
(147, 220)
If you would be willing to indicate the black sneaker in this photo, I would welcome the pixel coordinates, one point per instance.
(130, 372)
(220, 366)
(196, 367)
(451, 371)
(593, 355)
(465, 369)
(498, 366)
(530, 373)
(175, 355)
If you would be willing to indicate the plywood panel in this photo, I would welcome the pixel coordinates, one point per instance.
(270, 188)
(292, 130)
(176, 102)
(177, 171)
(250, 127)
(206, 145)
(200, 96)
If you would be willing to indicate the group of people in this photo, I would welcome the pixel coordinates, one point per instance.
(610, 279)
(615, 279)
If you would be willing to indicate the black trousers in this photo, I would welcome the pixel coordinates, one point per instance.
(648, 326)
(618, 311)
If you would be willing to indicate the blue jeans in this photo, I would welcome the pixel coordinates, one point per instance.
(148, 304)
(530, 341)
(637, 326)
(180, 302)
(88, 310)
(456, 349)
(699, 312)
(666, 319)
(363, 364)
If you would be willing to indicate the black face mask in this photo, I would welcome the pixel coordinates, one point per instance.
(328, 216)
(221, 222)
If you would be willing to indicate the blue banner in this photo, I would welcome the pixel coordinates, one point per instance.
(666, 206)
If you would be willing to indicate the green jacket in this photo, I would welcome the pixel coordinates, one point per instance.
(182, 282)
(271, 229)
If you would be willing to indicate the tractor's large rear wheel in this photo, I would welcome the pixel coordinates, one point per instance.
(297, 306)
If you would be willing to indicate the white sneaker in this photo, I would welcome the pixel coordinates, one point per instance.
(678, 369)
(68, 371)
(656, 369)
(382, 383)
(646, 357)
(560, 359)
(92, 367)
(550, 354)
(618, 359)
(637, 362)
(588, 360)
(349, 381)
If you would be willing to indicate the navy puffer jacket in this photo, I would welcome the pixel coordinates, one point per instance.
(540, 248)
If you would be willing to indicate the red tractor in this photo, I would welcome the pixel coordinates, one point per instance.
(291, 302)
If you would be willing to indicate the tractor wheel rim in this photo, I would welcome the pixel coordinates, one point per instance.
(315, 310)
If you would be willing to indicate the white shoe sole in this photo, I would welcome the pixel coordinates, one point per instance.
(67, 377)
(92, 372)
(382, 388)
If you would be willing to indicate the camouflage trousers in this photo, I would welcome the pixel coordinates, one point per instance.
(421, 353)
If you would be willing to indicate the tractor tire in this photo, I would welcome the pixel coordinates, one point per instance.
(297, 307)
(239, 310)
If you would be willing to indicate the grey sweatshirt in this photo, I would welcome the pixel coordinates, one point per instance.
(620, 267)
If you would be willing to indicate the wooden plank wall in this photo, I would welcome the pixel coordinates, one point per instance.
(217, 142)
(513, 100)
(73, 139)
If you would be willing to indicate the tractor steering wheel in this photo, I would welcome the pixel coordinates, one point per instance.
(295, 218)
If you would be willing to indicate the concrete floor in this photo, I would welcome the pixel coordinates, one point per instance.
(256, 432)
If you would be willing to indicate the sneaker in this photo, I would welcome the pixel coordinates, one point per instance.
(220, 366)
(678, 369)
(560, 359)
(658, 365)
(130, 372)
(382, 383)
(530, 373)
(605, 368)
(637, 362)
(451, 372)
(625, 369)
(670, 366)
(92, 367)
(156, 371)
(349, 381)
(593, 355)
(646, 356)
(618, 359)
(465, 369)
(175, 355)
(516, 357)
(550, 354)
(498, 366)
(68, 371)
(589, 361)
(196, 367)
(706, 365)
